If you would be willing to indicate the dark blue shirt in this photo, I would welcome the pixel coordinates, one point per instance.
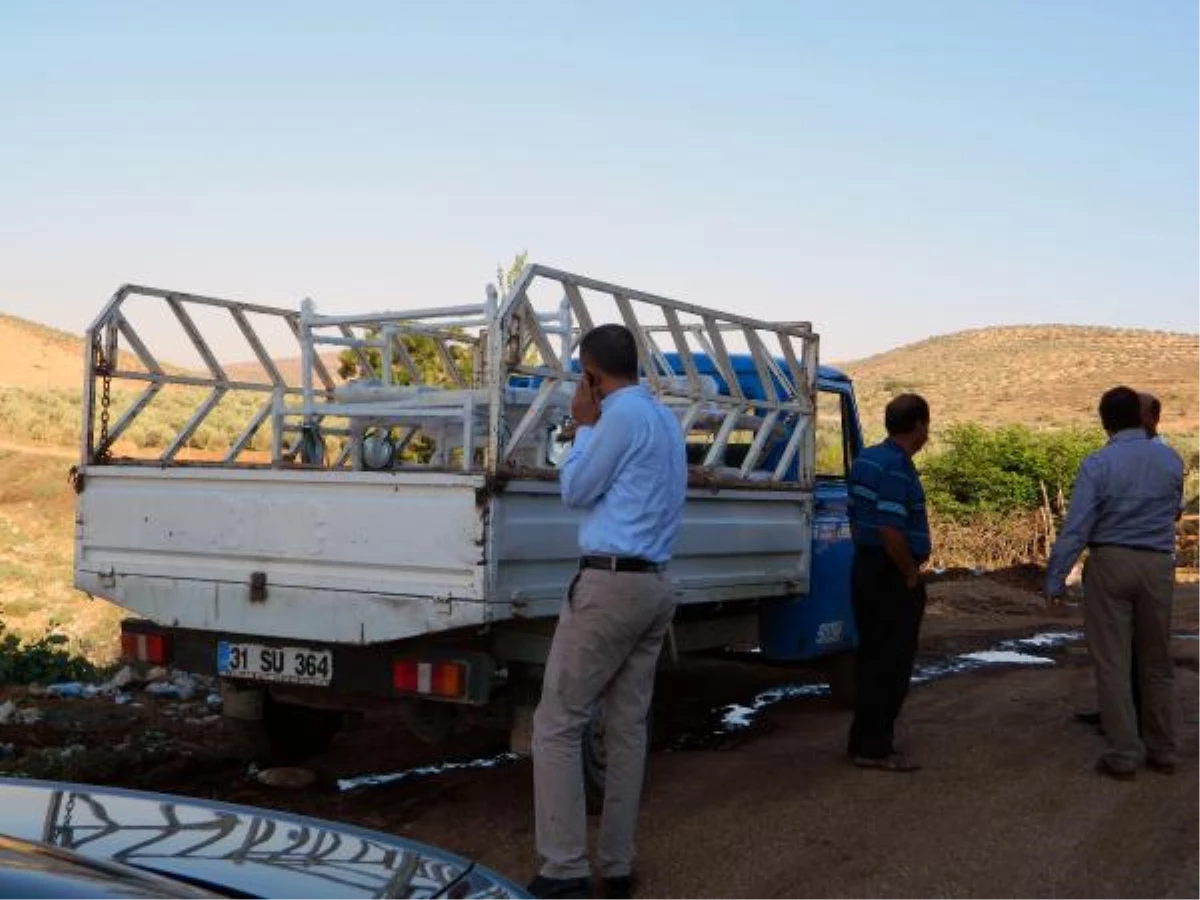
(885, 489)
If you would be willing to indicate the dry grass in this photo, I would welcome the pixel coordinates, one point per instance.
(989, 541)
(42, 357)
(36, 558)
(1037, 375)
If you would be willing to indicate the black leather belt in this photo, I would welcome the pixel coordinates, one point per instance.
(620, 564)
(1131, 547)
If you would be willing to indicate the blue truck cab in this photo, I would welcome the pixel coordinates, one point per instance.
(821, 622)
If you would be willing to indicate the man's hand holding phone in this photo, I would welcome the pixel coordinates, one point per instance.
(585, 405)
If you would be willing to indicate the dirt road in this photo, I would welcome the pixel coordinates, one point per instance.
(1007, 804)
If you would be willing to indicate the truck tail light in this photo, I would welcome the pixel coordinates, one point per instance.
(147, 648)
(448, 680)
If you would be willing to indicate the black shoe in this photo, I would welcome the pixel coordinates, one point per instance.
(560, 887)
(620, 887)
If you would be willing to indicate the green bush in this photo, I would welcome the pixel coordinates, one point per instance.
(1002, 470)
(43, 661)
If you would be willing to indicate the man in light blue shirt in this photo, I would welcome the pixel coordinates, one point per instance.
(1123, 509)
(627, 473)
(1151, 413)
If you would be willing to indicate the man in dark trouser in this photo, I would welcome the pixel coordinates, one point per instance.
(1123, 509)
(891, 541)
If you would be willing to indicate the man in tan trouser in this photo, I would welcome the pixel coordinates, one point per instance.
(627, 472)
(1123, 509)
(1151, 412)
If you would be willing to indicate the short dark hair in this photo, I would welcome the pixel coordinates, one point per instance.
(611, 349)
(1120, 409)
(905, 413)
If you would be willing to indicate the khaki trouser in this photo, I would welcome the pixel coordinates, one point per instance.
(1128, 596)
(606, 646)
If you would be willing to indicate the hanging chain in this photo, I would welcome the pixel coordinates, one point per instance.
(64, 832)
(104, 367)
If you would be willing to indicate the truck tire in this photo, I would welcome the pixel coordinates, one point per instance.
(296, 732)
(428, 721)
(595, 757)
(841, 670)
(284, 734)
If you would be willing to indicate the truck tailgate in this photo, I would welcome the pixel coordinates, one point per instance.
(353, 556)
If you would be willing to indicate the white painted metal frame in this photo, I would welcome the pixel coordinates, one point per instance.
(505, 340)
(789, 388)
(105, 358)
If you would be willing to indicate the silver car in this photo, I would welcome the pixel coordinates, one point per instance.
(69, 840)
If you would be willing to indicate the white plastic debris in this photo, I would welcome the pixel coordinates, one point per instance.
(185, 685)
(122, 679)
(121, 698)
(1009, 657)
(162, 689)
(8, 711)
(158, 673)
(214, 701)
(29, 716)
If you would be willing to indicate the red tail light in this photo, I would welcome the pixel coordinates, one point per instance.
(438, 679)
(147, 648)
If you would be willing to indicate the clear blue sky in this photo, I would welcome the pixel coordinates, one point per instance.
(887, 170)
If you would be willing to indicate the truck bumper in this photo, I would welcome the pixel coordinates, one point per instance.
(361, 676)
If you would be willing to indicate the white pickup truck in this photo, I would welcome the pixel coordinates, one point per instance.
(393, 534)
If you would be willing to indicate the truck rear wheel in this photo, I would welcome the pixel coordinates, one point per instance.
(275, 732)
(295, 732)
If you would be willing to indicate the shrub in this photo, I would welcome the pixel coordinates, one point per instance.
(1002, 470)
(43, 661)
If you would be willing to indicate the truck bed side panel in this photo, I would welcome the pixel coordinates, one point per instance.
(734, 544)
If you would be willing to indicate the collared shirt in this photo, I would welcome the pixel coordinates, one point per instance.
(885, 489)
(628, 474)
(1127, 492)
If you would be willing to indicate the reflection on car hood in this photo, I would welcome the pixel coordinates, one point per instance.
(236, 849)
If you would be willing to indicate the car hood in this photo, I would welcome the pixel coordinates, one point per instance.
(236, 850)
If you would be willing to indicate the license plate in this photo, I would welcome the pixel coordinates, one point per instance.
(295, 665)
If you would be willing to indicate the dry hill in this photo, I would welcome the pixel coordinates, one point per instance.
(1038, 374)
(40, 357)
(289, 368)
(1035, 374)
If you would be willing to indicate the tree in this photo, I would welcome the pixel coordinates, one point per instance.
(506, 279)
(423, 350)
(427, 360)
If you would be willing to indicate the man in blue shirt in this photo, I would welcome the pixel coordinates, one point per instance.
(890, 528)
(627, 473)
(1123, 509)
(1151, 413)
